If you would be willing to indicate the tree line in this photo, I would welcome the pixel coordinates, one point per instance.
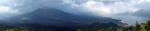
(92, 27)
(138, 27)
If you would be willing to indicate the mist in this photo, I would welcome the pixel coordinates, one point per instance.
(126, 10)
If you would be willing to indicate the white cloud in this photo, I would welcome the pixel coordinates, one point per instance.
(4, 9)
(107, 8)
(99, 8)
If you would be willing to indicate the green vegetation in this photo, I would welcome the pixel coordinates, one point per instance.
(10, 28)
(137, 27)
(92, 27)
(16, 29)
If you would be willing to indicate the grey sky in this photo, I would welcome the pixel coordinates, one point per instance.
(126, 10)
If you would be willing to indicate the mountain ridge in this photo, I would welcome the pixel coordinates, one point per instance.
(55, 16)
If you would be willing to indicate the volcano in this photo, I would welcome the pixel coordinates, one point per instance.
(53, 16)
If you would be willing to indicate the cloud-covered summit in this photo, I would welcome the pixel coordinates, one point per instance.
(108, 8)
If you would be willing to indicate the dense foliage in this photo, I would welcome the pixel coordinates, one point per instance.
(137, 27)
(92, 27)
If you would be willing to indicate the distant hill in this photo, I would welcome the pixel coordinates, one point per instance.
(52, 16)
(142, 13)
(102, 25)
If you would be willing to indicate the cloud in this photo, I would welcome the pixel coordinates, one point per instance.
(124, 10)
(107, 8)
(142, 13)
(144, 9)
(80, 6)
(103, 8)
(7, 10)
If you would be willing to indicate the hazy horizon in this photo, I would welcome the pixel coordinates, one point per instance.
(126, 10)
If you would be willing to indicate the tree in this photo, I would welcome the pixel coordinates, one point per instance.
(137, 26)
(148, 24)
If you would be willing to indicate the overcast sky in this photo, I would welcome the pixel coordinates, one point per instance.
(126, 10)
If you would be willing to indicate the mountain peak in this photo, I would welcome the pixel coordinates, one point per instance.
(52, 10)
(53, 16)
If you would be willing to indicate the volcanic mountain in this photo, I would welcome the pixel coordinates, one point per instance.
(53, 16)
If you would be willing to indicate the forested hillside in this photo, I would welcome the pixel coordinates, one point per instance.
(91, 27)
